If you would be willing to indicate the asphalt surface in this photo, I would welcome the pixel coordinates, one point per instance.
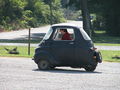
(35, 32)
(22, 74)
(23, 34)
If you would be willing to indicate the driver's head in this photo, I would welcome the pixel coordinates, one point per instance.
(63, 31)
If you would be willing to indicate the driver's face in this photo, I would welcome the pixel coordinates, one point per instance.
(62, 32)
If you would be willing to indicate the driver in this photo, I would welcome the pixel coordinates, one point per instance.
(65, 34)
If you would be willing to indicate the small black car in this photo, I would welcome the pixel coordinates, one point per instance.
(78, 52)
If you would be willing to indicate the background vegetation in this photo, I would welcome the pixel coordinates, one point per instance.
(16, 14)
(107, 14)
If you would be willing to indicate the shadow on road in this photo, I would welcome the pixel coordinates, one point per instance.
(18, 39)
(34, 36)
(67, 71)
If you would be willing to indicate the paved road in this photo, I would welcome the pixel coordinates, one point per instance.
(23, 34)
(22, 74)
(35, 32)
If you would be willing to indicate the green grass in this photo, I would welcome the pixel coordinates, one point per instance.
(101, 37)
(106, 44)
(23, 50)
(107, 55)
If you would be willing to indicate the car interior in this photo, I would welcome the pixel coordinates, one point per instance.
(57, 35)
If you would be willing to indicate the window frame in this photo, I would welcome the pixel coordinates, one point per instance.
(57, 30)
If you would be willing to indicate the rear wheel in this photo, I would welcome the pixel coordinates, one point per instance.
(43, 65)
(90, 68)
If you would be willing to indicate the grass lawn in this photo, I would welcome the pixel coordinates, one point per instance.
(101, 38)
(107, 55)
(23, 50)
(107, 44)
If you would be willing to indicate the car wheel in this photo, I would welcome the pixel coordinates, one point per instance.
(43, 65)
(90, 68)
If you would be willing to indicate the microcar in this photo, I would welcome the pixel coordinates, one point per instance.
(79, 52)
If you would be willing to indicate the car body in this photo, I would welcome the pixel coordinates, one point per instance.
(77, 53)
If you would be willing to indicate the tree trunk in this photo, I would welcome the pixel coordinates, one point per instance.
(86, 17)
(51, 13)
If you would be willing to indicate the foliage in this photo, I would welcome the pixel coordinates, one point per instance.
(15, 14)
(107, 14)
(102, 37)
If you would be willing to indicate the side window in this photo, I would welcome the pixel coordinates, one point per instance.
(64, 34)
(48, 34)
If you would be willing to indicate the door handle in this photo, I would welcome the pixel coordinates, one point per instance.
(71, 43)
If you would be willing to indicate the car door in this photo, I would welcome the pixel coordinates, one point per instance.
(64, 50)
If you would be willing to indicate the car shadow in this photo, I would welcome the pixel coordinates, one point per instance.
(67, 71)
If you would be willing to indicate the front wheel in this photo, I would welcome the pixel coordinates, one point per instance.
(43, 65)
(90, 68)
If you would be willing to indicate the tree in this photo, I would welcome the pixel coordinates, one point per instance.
(82, 4)
(86, 17)
(107, 14)
(15, 14)
(55, 11)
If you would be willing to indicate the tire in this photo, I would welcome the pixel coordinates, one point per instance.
(43, 65)
(90, 68)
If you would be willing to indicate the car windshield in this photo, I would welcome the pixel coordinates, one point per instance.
(48, 34)
(84, 34)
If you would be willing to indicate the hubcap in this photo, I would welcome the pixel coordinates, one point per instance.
(43, 64)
